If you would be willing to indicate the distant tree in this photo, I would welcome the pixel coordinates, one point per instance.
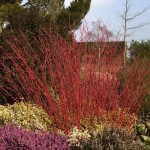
(99, 32)
(127, 18)
(140, 49)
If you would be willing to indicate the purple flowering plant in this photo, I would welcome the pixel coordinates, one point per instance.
(13, 137)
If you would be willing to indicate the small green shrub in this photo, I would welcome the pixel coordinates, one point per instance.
(78, 138)
(143, 130)
(25, 115)
(103, 138)
(115, 139)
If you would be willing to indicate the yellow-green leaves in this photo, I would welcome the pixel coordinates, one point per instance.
(25, 115)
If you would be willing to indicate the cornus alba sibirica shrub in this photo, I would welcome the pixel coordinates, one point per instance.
(71, 80)
(13, 137)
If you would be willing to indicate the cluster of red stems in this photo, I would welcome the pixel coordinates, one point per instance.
(70, 80)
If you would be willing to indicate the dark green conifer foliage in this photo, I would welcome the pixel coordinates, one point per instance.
(9, 1)
(37, 14)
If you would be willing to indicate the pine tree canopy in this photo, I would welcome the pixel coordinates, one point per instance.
(39, 14)
(2, 2)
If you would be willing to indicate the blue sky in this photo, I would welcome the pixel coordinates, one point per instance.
(106, 10)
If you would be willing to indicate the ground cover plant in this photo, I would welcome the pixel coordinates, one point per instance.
(71, 81)
(13, 137)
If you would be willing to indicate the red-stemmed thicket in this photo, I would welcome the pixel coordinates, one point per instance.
(72, 80)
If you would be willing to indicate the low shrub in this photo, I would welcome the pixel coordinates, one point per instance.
(25, 115)
(78, 138)
(115, 139)
(13, 137)
(143, 130)
(106, 139)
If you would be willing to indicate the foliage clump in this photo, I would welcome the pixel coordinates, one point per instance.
(13, 137)
(26, 115)
(143, 131)
(115, 138)
(107, 138)
(35, 15)
(78, 137)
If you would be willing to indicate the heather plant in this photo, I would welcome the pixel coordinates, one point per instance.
(25, 115)
(86, 79)
(13, 137)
